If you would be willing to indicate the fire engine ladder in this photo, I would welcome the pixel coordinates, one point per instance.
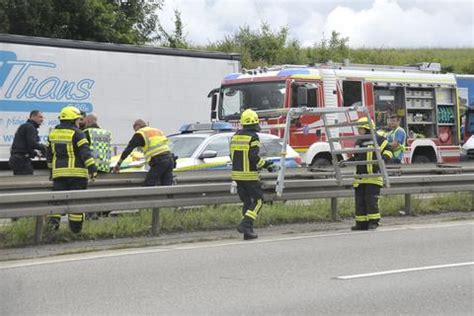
(331, 127)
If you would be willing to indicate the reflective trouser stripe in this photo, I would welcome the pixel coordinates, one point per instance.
(54, 216)
(373, 216)
(76, 217)
(254, 213)
(361, 218)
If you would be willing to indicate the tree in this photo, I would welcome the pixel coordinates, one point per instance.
(334, 49)
(177, 39)
(257, 48)
(117, 21)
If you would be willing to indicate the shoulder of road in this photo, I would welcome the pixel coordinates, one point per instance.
(47, 250)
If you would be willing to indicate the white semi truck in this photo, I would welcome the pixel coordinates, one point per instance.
(119, 83)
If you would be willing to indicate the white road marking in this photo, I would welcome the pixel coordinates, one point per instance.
(367, 275)
(192, 246)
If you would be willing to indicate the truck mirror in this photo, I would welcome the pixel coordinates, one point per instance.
(213, 95)
(214, 107)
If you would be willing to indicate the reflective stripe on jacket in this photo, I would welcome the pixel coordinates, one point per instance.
(155, 142)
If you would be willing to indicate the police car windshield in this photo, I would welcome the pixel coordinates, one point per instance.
(270, 146)
(185, 146)
(257, 96)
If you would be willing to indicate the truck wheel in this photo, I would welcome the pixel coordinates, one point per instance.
(421, 159)
(321, 162)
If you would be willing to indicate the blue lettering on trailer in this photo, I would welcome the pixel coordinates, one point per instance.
(20, 91)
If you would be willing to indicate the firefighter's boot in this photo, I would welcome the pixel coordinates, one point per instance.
(246, 227)
(75, 222)
(360, 226)
(53, 222)
(373, 225)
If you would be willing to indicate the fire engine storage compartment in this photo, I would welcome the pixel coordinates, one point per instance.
(424, 112)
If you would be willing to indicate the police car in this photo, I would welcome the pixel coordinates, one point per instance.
(207, 147)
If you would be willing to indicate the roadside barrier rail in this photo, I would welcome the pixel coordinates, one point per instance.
(21, 184)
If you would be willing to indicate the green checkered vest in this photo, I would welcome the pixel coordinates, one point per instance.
(100, 145)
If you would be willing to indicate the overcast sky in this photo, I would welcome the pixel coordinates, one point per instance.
(367, 23)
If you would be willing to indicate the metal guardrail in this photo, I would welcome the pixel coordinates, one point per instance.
(20, 184)
(110, 196)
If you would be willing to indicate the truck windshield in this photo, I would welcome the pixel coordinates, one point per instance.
(257, 96)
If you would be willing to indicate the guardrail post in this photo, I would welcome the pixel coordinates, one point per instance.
(334, 212)
(472, 200)
(155, 222)
(407, 204)
(39, 229)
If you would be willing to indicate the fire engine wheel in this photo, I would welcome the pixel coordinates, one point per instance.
(421, 159)
(321, 162)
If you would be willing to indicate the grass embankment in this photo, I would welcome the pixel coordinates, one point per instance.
(21, 232)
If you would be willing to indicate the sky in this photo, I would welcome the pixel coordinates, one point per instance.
(367, 23)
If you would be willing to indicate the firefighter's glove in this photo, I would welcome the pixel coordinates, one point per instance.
(270, 166)
(273, 168)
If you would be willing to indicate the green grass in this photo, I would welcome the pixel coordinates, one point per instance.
(21, 232)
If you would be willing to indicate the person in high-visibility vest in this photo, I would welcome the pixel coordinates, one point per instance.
(156, 150)
(244, 151)
(397, 137)
(100, 143)
(70, 160)
(367, 189)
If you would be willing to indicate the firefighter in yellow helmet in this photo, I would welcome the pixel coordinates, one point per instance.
(367, 190)
(246, 162)
(70, 161)
(154, 145)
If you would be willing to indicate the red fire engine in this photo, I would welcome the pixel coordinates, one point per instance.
(424, 99)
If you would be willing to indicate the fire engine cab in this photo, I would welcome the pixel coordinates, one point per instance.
(423, 98)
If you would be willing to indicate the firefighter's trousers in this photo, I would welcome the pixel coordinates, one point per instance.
(66, 184)
(251, 195)
(367, 204)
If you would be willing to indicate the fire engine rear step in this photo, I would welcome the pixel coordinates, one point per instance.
(332, 135)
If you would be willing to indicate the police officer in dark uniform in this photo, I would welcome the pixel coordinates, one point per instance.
(367, 190)
(25, 144)
(156, 150)
(70, 160)
(246, 162)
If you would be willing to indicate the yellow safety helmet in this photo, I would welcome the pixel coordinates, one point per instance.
(249, 117)
(69, 113)
(366, 123)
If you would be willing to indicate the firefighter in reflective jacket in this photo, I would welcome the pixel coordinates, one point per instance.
(367, 189)
(246, 162)
(70, 161)
(154, 145)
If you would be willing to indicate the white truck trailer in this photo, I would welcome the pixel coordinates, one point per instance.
(118, 83)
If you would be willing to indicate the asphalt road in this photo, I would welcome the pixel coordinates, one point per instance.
(413, 269)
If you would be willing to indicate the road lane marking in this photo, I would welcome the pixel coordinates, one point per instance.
(213, 244)
(441, 266)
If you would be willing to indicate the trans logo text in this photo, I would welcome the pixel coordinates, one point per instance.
(30, 84)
